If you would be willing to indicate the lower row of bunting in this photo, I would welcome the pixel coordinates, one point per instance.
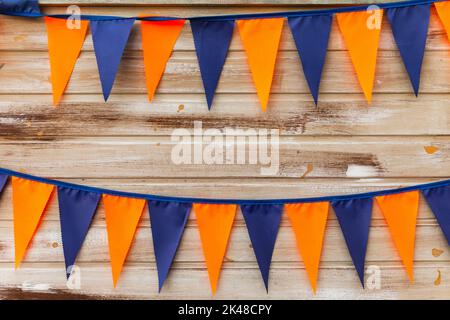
(168, 220)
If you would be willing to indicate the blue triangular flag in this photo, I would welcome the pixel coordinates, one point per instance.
(354, 218)
(3, 180)
(20, 6)
(110, 39)
(439, 201)
(410, 28)
(168, 220)
(263, 222)
(311, 36)
(212, 40)
(76, 209)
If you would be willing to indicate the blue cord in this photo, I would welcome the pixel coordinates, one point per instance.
(150, 197)
(286, 14)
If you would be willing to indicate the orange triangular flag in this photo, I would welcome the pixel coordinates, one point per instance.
(443, 10)
(158, 40)
(214, 224)
(122, 217)
(30, 198)
(261, 38)
(64, 46)
(361, 32)
(308, 222)
(400, 211)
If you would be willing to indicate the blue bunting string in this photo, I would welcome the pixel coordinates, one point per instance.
(285, 14)
(151, 197)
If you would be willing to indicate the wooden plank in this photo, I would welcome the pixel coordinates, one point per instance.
(236, 188)
(287, 281)
(47, 246)
(137, 157)
(29, 73)
(24, 116)
(31, 35)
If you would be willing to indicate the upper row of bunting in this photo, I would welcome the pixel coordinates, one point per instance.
(260, 37)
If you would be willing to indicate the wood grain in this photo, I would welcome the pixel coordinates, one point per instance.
(31, 116)
(136, 157)
(287, 280)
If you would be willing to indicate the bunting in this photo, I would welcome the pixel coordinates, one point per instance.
(168, 220)
(443, 10)
(261, 39)
(30, 200)
(64, 46)
(214, 224)
(400, 211)
(260, 34)
(168, 216)
(361, 39)
(311, 36)
(263, 222)
(308, 222)
(109, 53)
(212, 40)
(354, 217)
(438, 200)
(76, 209)
(122, 216)
(410, 28)
(158, 40)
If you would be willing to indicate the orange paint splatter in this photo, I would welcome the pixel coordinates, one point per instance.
(436, 252)
(431, 149)
(438, 278)
(309, 168)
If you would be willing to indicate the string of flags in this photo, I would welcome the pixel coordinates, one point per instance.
(260, 34)
(31, 196)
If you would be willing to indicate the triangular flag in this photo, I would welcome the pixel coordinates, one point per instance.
(107, 51)
(311, 36)
(76, 210)
(439, 201)
(263, 222)
(212, 40)
(308, 222)
(443, 10)
(410, 28)
(168, 220)
(261, 38)
(214, 224)
(354, 218)
(122, 217)
(64, 46)
(400, 211)
(362, 45)
(158, 40)
(3, 181)
(30, 199)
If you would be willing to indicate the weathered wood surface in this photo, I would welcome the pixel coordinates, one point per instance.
(287, 280)
(25, 116)
(136, 158)
(342, 146)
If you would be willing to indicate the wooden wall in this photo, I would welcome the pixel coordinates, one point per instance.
(342, 146)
